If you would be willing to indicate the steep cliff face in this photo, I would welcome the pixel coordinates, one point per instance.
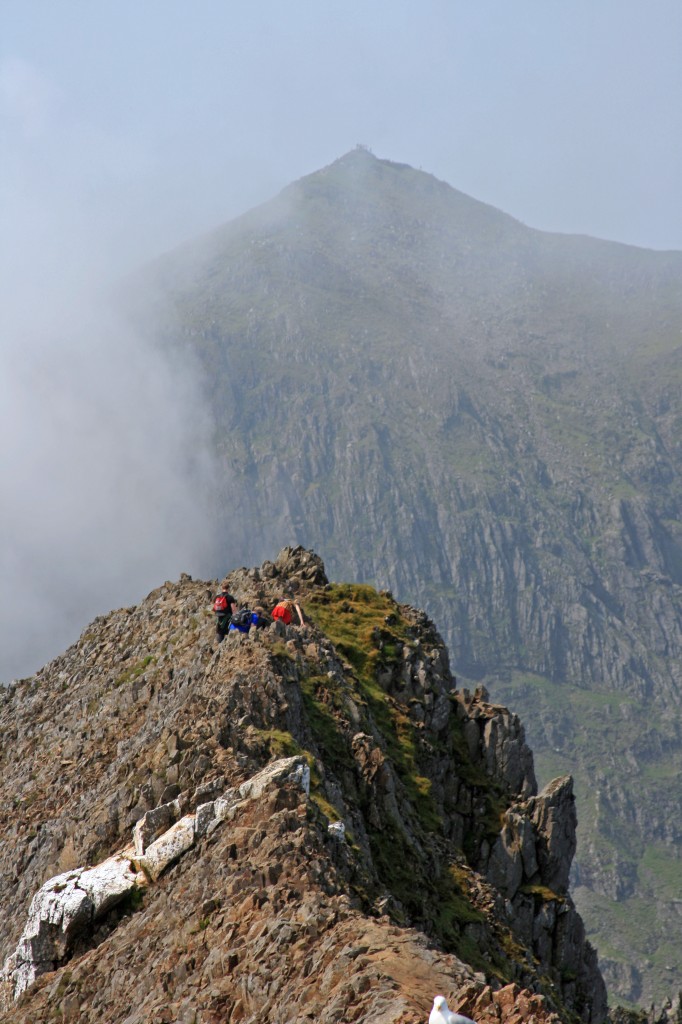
(301, 821)
(485, 419)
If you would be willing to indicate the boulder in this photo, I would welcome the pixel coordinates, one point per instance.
(61, 911)
(167, 848)
(108, 883)
(153, 824)
(293, 770)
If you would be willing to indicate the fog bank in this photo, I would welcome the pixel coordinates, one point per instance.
(107, 476)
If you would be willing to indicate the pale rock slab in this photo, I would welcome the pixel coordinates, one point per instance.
(167, 848)
(287, 769)
(152, 825)
(108, 883)
(63, 908)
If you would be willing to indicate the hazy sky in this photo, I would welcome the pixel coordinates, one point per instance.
(161, 118)
(127, 126)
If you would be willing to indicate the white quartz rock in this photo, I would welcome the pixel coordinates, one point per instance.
(287, 769)
(167, 848)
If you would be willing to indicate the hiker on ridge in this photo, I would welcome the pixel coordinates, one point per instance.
(282, 611)
(244, 619)
(224, 606)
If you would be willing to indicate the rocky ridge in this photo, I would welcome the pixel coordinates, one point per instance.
(142, 747)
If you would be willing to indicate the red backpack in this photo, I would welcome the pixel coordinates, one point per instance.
(220, 604)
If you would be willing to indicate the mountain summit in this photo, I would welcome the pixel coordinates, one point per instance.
(298, 824)
(487, 418)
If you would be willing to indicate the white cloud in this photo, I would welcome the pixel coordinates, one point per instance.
(107, 477)
(105, 461)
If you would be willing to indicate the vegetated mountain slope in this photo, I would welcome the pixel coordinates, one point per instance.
(448, 403)
(451, 876)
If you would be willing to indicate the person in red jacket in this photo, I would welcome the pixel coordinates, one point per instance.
(282, 611)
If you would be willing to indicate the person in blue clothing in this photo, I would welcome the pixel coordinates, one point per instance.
(244, 619)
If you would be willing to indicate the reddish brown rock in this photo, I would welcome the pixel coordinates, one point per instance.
(265, 916)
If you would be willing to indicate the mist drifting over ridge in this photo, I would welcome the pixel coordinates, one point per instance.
(105, 462)
(107, 450)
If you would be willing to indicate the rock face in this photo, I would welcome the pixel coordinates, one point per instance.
(301, 822)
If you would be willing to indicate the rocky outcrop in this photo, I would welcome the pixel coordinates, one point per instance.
(62, 914)
(496, 735)
(537, 842)
(554, 815)
(191, 748)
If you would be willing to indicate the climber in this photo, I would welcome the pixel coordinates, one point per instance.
(282, 611)
(263, 618)
(224, 607)
(244, 619)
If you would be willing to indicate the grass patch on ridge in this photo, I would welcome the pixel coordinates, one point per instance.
(368, 630)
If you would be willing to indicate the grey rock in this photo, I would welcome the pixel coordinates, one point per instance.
(554, 815)
(204, 815)
(507, 754)
(223, 803)
(505, 865)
